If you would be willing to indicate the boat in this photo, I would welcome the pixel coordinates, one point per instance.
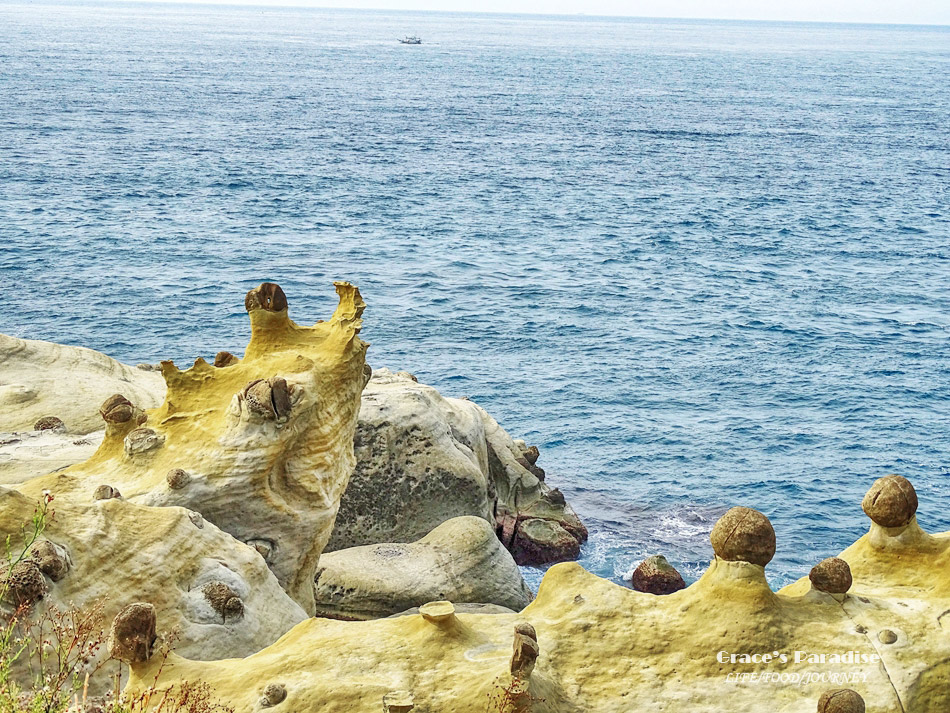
(413, 40)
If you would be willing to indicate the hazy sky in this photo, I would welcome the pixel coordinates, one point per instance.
(904, 11)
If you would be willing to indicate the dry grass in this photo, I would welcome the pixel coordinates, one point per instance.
(512, 698)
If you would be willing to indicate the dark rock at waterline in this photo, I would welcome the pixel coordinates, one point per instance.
(657, 576)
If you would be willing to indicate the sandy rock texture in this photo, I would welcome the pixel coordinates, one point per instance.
(28, 454)
(461, 560)
(262, 447)
(423, 458)
(605, 648)
(42, 379)
(116, 553)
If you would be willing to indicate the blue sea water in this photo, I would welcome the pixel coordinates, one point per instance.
(700, 264)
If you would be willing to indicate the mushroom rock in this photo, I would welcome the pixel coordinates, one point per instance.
(267, 441)
(39, 379)
(116, 553)
(898, 598)
(612, 650)
(440, 613)
(657, 576)
(891, 501)
(423, 458)
(744, 535)
(460, 560)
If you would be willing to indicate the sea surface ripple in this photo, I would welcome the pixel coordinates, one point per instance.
(700, 264)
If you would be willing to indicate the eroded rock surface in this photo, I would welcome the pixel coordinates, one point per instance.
(118, 553)
(609, 649)
(29, 454)
(461, 560)
(423, 458)
(41, 380)
(267, 441)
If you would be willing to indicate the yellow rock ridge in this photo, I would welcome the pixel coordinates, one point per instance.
(726, 643)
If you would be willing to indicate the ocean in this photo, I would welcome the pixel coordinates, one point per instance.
(699, 264)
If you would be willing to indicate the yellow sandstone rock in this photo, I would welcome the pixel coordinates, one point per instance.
(462, 560)
(42, 379)
(115, 553)
(604, 648)
(266, 441)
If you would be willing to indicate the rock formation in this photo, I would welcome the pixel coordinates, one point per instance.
(41, 380)
(207, 515)
(460, 560)
(525, 650)
(841, 700)
(606, 648)
(266, 441)
(832, 575)
(657, 576)
(423, 459)
(117, 553)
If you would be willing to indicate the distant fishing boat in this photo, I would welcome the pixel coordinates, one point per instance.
(413, 40)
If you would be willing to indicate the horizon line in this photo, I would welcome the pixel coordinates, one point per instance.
(303, 5)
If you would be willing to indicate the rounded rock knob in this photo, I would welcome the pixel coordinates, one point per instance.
(267, 296)
(25, 584)
(49, 423)
(832, 575)
(50, 558)
(268, 399)
(657, 576)
(887, 636)
(744, 535)
(525, 651)
(106, 492)
(841, 700)
(133, 633)
(177, 478)
(223, 359)
(118, 409)
(273, 694)
(891, 501)
(224, 600)
(142, 440)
